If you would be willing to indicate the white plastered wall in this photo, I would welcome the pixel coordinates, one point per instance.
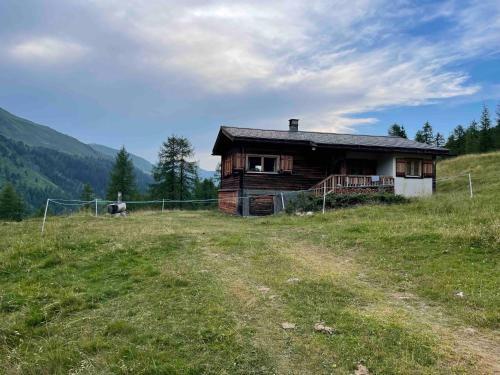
(411, 187)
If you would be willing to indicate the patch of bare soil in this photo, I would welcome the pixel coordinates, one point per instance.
(361, 370)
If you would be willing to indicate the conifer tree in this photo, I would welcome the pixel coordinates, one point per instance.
(397, 131)
(218, 175)
(175, 173)
(472, 138)
(11, 204)
(425, 135)
(456, 141)
(87, 193)
(439, 140)
(122, 178)
(496, 130)
(205, 189)
(485, 133)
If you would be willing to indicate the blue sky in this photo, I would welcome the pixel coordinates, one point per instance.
(133, 72)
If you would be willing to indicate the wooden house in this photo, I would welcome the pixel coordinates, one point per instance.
(257, 165)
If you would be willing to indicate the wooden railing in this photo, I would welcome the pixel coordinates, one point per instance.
(335, 181)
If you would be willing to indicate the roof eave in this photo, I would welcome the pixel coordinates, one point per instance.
(343, 146)
(222, 133)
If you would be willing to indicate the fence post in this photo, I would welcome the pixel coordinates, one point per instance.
(96, 207)
(470, 186)
(282, 201)
(45, 215)
(162, 204)
(324, 197)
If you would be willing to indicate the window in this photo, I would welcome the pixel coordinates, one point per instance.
(413, 168)
(254, 164)
(269, 164)
(262, 164)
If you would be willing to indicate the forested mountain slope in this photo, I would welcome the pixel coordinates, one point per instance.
(36, 135)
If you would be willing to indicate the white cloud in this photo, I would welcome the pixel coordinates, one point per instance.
(324, 61)
(354, 55)
(47, 50)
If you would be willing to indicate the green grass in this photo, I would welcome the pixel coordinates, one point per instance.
(181, 292)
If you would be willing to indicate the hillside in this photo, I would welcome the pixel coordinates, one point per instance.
(406, 289)
(39, 173)
(484, 169)
(36, 135)
(41, 162)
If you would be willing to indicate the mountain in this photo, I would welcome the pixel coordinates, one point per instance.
(39, 173)
(32, 134)
(203, 173)
(139, 163)
(42, 163)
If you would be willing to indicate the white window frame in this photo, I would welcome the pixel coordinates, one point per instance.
(276, 164)
(408, 162)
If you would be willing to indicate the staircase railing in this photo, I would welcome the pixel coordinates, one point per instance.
(334, 182)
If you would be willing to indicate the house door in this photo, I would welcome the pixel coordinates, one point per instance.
(260, 206)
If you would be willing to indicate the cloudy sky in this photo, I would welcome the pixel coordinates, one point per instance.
(133, 72)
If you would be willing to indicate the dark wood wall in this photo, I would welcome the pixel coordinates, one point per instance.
(309, 167)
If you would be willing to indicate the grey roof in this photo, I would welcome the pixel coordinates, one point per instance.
(332, 139)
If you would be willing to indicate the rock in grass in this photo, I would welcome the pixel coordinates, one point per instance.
(459, 294)
(320, 327)
(361, 370)
(292, 280)
(264, 289)
(287, 325)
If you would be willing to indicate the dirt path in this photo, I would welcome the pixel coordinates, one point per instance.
(466, 342)
(263, 310)
(260, 308)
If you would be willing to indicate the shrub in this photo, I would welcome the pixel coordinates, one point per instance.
(307, 202)
(11, 204)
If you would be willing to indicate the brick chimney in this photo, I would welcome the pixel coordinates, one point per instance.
(293, 125)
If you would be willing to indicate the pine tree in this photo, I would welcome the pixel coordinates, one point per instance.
(419, 136)
(218, 175)
(87, 193)
(485, 134)
(425, 135)
(11, 204)
(397, 131)
(456, 141)
(174, 174)
(439, 140)
(122, 178)
(472, 138)
(496, 130)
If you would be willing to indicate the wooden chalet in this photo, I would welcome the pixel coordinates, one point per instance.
(257, 165)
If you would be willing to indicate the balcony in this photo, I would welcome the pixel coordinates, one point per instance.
(343, 184)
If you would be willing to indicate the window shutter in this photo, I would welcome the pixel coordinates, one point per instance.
(238, 161)
(228, 165)
(428, 168)
(286, 163)
(400, 168)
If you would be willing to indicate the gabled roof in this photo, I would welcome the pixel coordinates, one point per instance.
(333, 140)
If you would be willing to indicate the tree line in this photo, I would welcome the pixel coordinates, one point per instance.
(175, 175)
(474, 138)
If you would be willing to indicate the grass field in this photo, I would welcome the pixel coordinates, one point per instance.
(203, 293)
